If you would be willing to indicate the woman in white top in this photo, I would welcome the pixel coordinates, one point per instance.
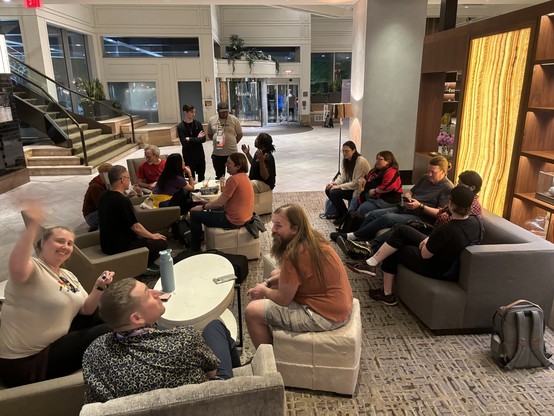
(48, 319)
(346, 186)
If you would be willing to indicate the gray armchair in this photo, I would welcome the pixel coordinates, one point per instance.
(88, 260)
(156, 219)
(133, 164)
(255, 389)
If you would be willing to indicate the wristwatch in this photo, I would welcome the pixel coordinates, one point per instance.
(421, 207)
(267, 283)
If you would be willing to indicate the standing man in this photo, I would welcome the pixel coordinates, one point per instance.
(95, 188)
(191, 135)
(150, 170)
(119, 228)
(310, 292)
(139, 357)
(225, 131)
(233, 208)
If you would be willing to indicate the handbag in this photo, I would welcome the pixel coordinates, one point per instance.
(421, 226)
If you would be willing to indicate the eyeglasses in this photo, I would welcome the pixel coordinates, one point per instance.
(125, 177)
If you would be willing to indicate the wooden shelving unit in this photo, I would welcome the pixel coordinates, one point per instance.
(537, 141)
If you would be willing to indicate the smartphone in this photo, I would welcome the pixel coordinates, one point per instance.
(223, 279)
(164, 297)
(406, 199)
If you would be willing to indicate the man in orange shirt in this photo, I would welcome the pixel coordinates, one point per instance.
(233, 208)
(310, 292)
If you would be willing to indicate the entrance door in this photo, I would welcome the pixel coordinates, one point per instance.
(246, 104)
(286, 103)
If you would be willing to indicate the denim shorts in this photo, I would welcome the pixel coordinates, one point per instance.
(297, 318)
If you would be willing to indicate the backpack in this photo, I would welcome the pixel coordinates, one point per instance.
(518, 336)
(181, 231)
(352, 222)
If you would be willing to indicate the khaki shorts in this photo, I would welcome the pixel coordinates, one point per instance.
(260, 187)
(297, 318)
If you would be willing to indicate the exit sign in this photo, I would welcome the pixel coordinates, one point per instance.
(33, 4)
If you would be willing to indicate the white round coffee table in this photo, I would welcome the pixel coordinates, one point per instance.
(210, 197)
(197, 300)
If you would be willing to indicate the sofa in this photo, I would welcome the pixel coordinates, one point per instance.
(256, 389)
(510, 263)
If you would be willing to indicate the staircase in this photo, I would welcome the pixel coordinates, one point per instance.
(66, 129)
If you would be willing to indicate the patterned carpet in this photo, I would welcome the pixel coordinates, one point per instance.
(405, 369)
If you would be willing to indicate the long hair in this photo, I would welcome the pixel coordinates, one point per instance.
(389, 158)
(348, 165)
(173, 167)
(306, 237)
(265, 143)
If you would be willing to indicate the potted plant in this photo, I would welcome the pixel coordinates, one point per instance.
(94, 90)
(238, 51)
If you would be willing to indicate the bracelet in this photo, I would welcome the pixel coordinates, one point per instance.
(267, 283)
(421, 207)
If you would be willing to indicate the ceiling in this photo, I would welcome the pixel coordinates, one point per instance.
(476, 9)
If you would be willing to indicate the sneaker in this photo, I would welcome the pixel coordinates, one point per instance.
(362, 267)
(354, 250)
(378, 295)
(335, 235)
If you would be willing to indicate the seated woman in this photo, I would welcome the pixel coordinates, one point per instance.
(432, 256)
(354, 168)
(172, 189)
(382, 188)
(48, 319)
(262, 168)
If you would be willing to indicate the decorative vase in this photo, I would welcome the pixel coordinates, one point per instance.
(441, 150)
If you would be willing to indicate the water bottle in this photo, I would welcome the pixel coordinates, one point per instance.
(166, 271)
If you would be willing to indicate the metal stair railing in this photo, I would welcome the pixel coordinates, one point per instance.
(59, 108)
(72, 100)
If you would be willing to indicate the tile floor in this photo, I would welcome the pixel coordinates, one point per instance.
(306, 161)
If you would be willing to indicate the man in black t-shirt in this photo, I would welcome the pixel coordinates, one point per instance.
(119, 228)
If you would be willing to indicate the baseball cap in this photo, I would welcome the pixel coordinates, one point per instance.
(222, 107)
(461, 196)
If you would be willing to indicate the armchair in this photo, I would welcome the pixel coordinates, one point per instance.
(88, 260)
(133, 164)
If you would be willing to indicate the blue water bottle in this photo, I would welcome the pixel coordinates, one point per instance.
(166, 271)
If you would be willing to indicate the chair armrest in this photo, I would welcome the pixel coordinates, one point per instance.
(88, 239)
(157, 219)
(264, 361)
(59, 396)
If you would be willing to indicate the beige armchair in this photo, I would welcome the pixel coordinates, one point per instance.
(156, 219)
(88, 260)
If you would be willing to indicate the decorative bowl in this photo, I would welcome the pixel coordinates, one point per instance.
(210, 190)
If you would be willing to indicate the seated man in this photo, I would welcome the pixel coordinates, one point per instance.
(310, 292)
(422, 202)
(119, 228)
(95, 188)
(233, 208)
(150, 170)
(262, 169)
(151, 357)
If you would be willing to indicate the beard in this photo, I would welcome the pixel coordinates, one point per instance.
(279, 246)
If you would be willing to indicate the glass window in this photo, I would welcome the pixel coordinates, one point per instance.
(321, 73)
(133, 47)
(279, 53)
(343, 66)
(137, 98)
(12, 31)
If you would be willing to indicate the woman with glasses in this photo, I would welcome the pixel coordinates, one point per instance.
(191, 135)
(48, 318)
(346, 185)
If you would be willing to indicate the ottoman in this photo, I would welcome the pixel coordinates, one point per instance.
(328, 361)
(232, 241)
(263, 203)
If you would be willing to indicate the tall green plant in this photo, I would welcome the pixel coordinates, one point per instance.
(92, 88)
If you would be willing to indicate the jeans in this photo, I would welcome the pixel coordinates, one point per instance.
(209, 219)
(92, 219)
(223, 346)
(337, 196)
(369, 205)
(382, 218)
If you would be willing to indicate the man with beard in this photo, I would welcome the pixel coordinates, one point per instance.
(309, 292)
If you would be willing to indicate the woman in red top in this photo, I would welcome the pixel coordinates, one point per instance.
(382, 188)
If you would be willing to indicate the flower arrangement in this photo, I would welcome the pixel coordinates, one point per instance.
(445, 141)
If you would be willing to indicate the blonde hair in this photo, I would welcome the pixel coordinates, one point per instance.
(48, 233)
(307, 237)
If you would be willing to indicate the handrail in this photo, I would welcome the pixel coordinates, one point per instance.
(63, 110)
(78, 93)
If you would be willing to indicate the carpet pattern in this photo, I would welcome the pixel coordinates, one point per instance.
(405, 369)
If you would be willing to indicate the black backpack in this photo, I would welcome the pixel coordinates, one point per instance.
(518, 336)
(352, 222)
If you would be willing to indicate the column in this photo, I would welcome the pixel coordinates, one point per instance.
(386, 67)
